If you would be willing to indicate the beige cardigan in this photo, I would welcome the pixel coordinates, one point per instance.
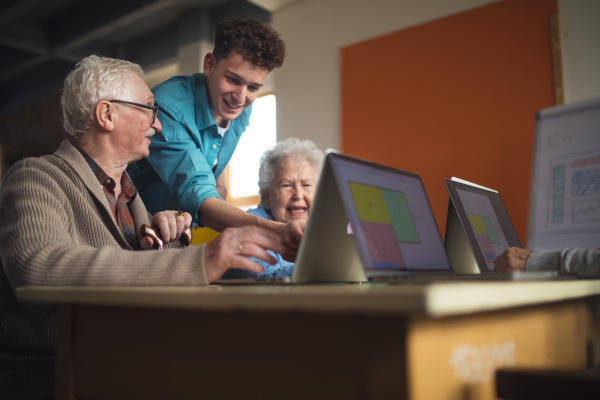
(57, 228)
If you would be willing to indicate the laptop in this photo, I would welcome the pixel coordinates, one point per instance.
(479, 229)
(368, 222)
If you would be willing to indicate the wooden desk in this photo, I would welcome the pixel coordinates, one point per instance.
(436, 341)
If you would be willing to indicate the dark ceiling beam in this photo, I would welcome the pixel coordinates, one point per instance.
(81, 31)
(10, 58)
(98, 48)
(43, 81)
(24, 36)
(238, 9)
(26, 66)
(153, 48)
(16, 9)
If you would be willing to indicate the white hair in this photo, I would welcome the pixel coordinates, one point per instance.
(94, 79)
(292, 149)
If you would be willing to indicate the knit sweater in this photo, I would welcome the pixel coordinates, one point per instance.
(57, 229)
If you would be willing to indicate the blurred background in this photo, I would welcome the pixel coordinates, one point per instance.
(361, 76)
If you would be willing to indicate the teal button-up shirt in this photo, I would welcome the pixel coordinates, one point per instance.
(178, 174)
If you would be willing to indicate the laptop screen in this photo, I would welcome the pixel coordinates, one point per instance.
(390, 216)
(485, 222)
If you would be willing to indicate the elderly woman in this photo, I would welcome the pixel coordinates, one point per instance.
(287, 179)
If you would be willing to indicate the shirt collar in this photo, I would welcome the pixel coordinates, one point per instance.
(127, 186)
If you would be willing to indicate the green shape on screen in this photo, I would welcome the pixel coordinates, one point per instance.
(489, 229)
(369, 203)
(402, 221)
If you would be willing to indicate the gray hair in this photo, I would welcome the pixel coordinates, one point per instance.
(290, 149)
(94, 79)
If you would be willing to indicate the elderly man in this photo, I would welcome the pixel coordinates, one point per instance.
(74, 218)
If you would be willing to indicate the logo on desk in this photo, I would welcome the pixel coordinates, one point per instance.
(476, 364)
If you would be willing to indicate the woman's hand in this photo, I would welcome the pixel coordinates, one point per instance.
(233, 246)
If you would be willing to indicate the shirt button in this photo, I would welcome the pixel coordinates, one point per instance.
(108, 181)
(214, 146)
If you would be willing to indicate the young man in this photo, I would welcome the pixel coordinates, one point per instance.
(203, 117)
(74, 218)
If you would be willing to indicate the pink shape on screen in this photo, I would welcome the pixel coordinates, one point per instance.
(382, 243)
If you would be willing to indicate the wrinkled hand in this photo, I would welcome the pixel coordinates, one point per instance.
(512, 260)
(233, 246)
(170, 224)
(291, 235)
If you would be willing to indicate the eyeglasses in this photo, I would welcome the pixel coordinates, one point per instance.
(153, 108)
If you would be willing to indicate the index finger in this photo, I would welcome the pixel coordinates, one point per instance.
(188, 220)
(265, 239)
(167, 225)
(296, 232)
(255, 230)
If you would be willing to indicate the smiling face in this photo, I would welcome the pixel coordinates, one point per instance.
(136, 122)
(291, 192)
(233, 85)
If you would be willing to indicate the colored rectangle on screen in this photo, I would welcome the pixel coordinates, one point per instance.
(486, 247)
(385, 265)
(478, 226)
(382, 244)
(489, 228)
(399, 213)
(369, 203)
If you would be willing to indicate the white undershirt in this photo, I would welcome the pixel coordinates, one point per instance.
(222, 133)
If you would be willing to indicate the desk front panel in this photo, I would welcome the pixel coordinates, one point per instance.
(456, 357)
(141, 353)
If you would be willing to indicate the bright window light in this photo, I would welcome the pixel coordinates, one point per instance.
(259, 136)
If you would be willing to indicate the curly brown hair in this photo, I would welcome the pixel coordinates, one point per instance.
(256, 42)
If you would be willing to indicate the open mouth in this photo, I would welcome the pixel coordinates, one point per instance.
(233, 107)
(296, 210)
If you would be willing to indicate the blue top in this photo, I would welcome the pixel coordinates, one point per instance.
(282, 268)
(178, 174)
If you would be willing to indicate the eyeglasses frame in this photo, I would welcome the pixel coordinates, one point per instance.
(153, 108)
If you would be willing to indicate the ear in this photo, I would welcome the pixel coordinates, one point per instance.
(105, 115)
(209, 63)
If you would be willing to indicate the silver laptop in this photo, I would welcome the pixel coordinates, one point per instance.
(367, 222)
(478, 229)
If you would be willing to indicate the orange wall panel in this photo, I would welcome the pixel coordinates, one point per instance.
(454, 97)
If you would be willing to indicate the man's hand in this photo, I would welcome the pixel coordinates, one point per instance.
(291, 234)
(170, 224)
(233, 246)
(220, 215)
(512, 260)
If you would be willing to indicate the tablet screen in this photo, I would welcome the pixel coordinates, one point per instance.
(485, 222)
(390, 215)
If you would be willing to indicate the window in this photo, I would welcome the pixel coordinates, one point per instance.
(243, 167)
